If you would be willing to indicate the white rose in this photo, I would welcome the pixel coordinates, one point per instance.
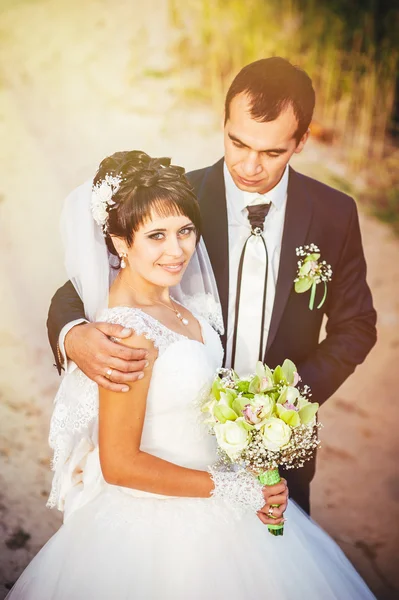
(275, 434)
(98, 208)
(104, 192)
(100, 214)
(232, 437)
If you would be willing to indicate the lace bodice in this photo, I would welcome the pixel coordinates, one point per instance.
(142, 324)
(173, 428)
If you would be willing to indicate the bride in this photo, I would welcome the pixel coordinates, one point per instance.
(147, 516)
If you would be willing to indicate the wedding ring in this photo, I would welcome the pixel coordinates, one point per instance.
(108, 373)
(270, 512)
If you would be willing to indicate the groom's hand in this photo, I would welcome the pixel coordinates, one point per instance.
(89, 346)
(274, 494)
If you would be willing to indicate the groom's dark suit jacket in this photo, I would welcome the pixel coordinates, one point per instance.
(316, 214)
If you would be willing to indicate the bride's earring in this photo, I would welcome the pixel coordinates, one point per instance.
(122, 256)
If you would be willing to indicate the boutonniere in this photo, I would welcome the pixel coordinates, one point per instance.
(311, 272)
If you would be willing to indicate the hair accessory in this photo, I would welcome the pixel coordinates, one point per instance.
(101, 198)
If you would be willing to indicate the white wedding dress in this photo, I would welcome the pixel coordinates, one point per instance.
(123, 544)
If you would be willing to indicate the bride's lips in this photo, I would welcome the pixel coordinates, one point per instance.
(173, 267)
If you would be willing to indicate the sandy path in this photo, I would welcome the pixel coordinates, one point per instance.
(77, 82)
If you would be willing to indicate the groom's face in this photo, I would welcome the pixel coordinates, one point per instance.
(256, 153)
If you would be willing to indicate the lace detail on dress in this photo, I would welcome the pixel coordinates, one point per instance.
(75, 411)
(142, 324)
(206, 307)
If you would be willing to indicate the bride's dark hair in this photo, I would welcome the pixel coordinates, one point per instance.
(148, 185)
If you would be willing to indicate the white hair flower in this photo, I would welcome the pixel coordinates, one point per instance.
(101, 198)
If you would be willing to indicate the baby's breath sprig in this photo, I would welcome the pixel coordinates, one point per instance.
(256, 457)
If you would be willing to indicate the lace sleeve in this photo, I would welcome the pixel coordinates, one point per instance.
(72, 422)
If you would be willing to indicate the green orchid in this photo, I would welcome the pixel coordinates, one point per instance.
(224, 413)
(279, 376)
(217, 388)
(290, 372)
(239, 404)
(289, 416)
(289, 394)
(308, 412)
(223, 410)
(263, 379)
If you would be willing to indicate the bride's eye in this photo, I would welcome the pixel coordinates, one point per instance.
(187, 230)
(156, 236)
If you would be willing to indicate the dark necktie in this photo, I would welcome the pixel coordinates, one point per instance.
(256, 217)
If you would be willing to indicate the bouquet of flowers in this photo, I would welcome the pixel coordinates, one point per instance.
(262, 421)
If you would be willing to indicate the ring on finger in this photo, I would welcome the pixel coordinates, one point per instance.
(108, 373)
(270, 512)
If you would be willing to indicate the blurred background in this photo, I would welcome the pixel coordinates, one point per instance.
(80, 80)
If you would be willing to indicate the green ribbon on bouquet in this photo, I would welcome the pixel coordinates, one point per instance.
(272, 477)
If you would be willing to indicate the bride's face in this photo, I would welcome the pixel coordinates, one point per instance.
(161, 250)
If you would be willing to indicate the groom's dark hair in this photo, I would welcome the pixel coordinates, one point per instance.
(273, 84)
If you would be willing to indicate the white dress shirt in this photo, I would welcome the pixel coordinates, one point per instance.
(238, 231)
(67, 363)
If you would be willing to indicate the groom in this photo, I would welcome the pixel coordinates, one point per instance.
(257, 211)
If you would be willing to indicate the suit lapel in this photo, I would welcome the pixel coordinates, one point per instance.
(298, 216)
(212, 199)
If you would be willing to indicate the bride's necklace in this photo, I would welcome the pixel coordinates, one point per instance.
(172, 308)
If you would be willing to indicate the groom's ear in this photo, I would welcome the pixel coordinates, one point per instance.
(302, 142)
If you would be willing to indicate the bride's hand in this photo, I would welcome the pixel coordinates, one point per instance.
(89, 346)
(274, 494)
